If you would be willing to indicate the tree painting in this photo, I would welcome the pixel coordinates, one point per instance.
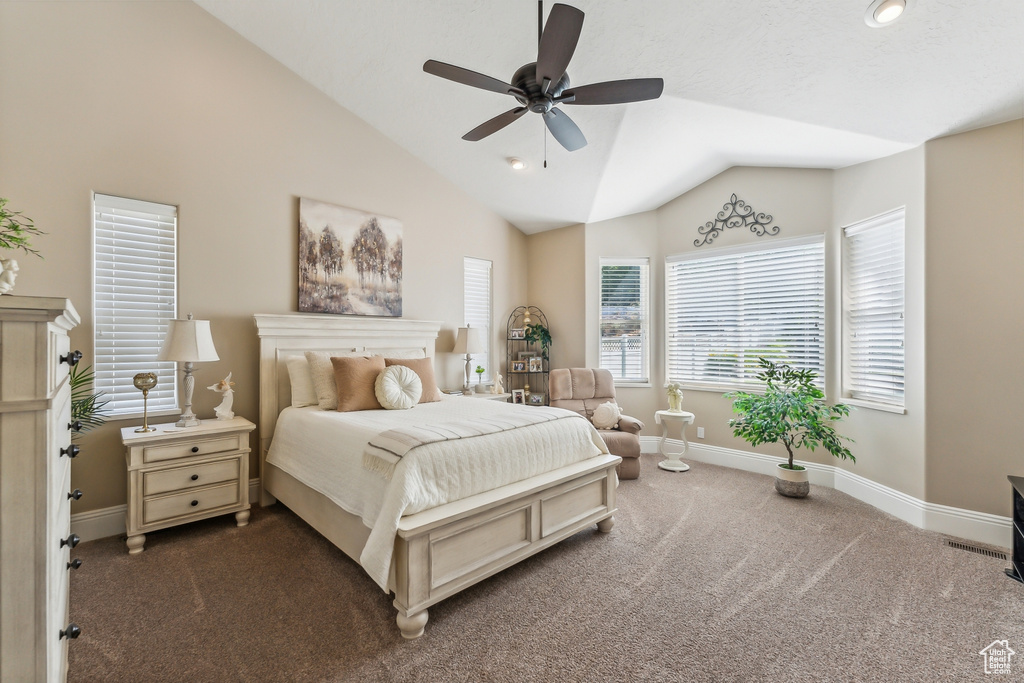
(349, 261)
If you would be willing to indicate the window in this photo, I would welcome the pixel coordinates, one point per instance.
(477, 295)
(725, 309)
(873, 324)
(134, 295)
(625, 318)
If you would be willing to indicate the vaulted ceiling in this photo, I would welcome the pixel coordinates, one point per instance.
(747, 82)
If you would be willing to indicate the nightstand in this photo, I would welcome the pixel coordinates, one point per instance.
(181, 474)
(490, 397)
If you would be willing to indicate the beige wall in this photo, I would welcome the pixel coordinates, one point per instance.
(555, 274)
(975, 316)
(160, 101)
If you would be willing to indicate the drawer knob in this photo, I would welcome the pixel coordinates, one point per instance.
(195, 502)
(71, 541)
(76, 494)
(71, 451)
(74, 564)
(71, 632)
(195, 477)
(195, 449)
(72, 360)
(75, 426)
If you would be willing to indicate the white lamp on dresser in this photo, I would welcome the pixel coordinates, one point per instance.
(188, 341)
(468, 342)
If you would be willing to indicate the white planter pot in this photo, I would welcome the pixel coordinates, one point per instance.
(791, 483)
(8, 272)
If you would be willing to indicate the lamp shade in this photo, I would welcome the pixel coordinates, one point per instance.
(188, 341)
(468, 341)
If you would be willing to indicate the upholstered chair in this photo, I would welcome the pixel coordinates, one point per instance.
(583, 390)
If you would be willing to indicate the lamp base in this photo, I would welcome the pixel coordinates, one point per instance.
(187, 420)
(141, 430)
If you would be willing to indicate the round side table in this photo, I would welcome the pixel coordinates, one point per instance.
(674, 462)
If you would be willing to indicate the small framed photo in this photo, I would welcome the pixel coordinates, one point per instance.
(536, 364)
(526, 355)
(536, 399)
(517, 333)
(518, 396)
(519, 366)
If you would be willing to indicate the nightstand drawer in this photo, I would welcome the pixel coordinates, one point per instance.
(189, 448)
(189, 477)
(167, 507)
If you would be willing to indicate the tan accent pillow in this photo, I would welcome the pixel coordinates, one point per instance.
(355, 378)
(423, 367)
(321, 372)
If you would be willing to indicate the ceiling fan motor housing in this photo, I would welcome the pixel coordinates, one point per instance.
(537, 101)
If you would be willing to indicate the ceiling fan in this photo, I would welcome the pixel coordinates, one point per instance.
(543, 85)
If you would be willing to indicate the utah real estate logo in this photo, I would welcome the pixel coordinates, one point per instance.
(997, 657)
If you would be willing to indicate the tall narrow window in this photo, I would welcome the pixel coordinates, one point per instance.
(477, 297)
(873, 297)
(625, 318)
(729, 307)
(134, 295)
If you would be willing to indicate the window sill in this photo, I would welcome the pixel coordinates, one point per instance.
(872, 405)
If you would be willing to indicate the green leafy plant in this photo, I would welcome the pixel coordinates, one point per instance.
(792, 411)
(538, 334)
(87, 406)
(479, 371)
(16, 230)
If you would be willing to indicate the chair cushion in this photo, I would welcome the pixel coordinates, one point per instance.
(606, 415)
(622, 444)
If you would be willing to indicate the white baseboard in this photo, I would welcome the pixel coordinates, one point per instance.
(968, 524)
(110, 521)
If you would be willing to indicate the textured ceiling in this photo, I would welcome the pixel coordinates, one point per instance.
(747, 82)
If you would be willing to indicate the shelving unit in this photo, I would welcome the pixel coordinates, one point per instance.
(536, 382)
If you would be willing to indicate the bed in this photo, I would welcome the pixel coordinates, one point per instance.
(441, 550)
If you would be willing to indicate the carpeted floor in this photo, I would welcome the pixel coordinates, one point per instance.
(708, 576)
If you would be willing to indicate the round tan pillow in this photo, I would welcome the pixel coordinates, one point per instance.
(398, 388)
(606, 416)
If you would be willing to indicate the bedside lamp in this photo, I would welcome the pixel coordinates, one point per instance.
(188, 341)
(468, 342)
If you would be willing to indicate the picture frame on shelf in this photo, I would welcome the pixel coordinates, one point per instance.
(536, 399)
(527, 355)
(517, 333)
(518, 396)
(536, 364)
(518, 366)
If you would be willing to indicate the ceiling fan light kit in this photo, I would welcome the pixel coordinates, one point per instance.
(541, 86)
(516, 163)
(883, 12)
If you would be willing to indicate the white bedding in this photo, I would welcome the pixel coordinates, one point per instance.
(324, 450)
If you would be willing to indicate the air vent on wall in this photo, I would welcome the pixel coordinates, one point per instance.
(976, 549)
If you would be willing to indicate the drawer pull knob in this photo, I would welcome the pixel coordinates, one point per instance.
(74, 564)
(72, 360)
(71, 451)
(71, 541)
(76, 494)
(195, 449)
(71, 632)
(195, 477)
(195, 502)
(75, 426)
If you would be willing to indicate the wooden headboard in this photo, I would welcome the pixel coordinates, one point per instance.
(290, 334)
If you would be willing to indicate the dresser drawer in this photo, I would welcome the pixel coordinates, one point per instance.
(190, 449)
(60, 345)
(168, 507)
(192, 476)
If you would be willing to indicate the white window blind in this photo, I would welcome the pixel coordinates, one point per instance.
(625, 318)
(135, 294)
(477, 298)
(726, 308)
(873, 312)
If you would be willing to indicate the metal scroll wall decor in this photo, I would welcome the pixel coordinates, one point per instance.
(736, 214)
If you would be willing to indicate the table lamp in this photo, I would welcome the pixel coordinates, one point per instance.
(468, 342)
(188, 341)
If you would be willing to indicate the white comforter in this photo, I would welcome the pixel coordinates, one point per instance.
(324, 450)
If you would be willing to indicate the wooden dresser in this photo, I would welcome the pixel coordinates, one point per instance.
(35, 487)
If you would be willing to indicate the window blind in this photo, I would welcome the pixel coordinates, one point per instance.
(477, 303)
(726, 309)
(134, 296)
(625, 318)
(873, 309)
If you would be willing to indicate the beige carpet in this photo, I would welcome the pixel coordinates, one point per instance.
(709, 575)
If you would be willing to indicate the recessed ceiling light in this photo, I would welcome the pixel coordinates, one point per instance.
(884, 12)
(516, 164)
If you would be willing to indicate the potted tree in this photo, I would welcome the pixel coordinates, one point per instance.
(792, 411)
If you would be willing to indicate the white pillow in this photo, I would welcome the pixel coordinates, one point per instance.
(322, 373)
(398, 388)
(606, 416)
(303, 393)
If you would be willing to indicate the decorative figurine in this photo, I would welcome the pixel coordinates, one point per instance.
(223, 411)
(499, 387)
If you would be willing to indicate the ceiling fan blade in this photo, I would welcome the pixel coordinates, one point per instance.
(565, 130)
(557, 44)
(615, 92)
(494, 125)
(467, 77)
